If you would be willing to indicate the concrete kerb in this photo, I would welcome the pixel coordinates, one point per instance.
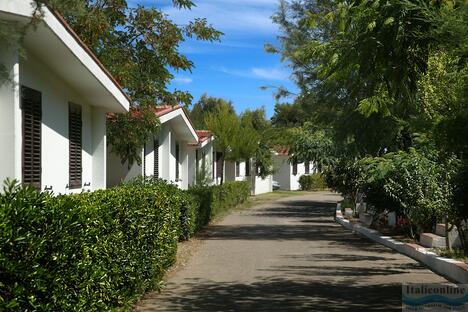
(454, 270)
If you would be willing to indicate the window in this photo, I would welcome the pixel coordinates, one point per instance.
(177, 156)
(156, 159)
(219, 165)
(247, 168)
(237, 169)
(31, 107)
(307, 167)
(294, 168)
(75, 146)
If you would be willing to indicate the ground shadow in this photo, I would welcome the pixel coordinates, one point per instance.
(278, 294)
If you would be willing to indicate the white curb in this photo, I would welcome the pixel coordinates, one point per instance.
(454, 270)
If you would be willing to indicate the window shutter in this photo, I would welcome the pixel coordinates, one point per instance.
(31, 106)
(237, 169)
(177, 155)
(75, 146)
(294, 168)
(219, 165)
(307, 167)
(156, 159)
(247, 167)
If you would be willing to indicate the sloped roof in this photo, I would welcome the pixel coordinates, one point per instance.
(203, 135)
(55, 43)
(281, 150)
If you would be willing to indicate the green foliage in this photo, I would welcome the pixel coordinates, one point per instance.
(288, 115)
(242, 137)
(386, 82)
(206, 105)
(312, 182)
(342, 177)
(308, 144)
(218, 199)
(130, 131)
(86, 252)
(412, 184)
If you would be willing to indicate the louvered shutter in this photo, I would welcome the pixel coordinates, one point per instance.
(307, 167)
(156, 159)
(75, 166)
(237, 169)
(219, 165)
(31, 106)
(247, 167)
(294, 168)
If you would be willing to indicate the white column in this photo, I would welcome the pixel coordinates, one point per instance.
(10, 118)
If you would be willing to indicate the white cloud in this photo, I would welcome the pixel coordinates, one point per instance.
(249, 17)
(270, 73)
(183, 80)
(275, 73)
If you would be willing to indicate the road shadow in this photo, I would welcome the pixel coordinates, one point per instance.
(279, 294)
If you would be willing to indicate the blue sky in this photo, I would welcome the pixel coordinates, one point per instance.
(238, 66)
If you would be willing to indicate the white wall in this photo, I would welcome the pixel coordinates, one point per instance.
(55, 146)
(295, 178)
(10, 156)
(167, 161)
(282, 171)
(263, 185)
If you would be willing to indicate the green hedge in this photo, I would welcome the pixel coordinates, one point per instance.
(88, 252)
(312, 182)
(215, 200)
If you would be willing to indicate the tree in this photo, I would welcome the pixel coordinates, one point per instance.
(224, 125)
(140, 47)
(206, 105)
(379, 77)
(256, 140)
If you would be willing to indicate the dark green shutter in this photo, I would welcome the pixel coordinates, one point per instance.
(31, 107)
(75, 166)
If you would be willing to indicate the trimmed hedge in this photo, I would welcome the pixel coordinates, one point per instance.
(98, 251)
(312, 182)
(215, 200)
(87, 252)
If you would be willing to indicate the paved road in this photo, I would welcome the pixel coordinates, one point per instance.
(289, 255)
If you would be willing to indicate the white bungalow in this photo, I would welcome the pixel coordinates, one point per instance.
(53, 109)
(165, 156)
(242, 171)
(286, 173)
(202, 165)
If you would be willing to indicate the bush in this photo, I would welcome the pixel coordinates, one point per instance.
(411, 184)
(87, 252)
(342, 177)
(215, 200)
(312, 182)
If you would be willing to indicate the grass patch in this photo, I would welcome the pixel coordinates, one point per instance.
(455, 253)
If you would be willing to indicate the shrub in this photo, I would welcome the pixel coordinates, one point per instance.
(86, 252)
(342, 177)
(215, 200)
(312, 182)
(412, 184)
(185, 202)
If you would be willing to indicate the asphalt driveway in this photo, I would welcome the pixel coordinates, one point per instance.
(288, 255)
